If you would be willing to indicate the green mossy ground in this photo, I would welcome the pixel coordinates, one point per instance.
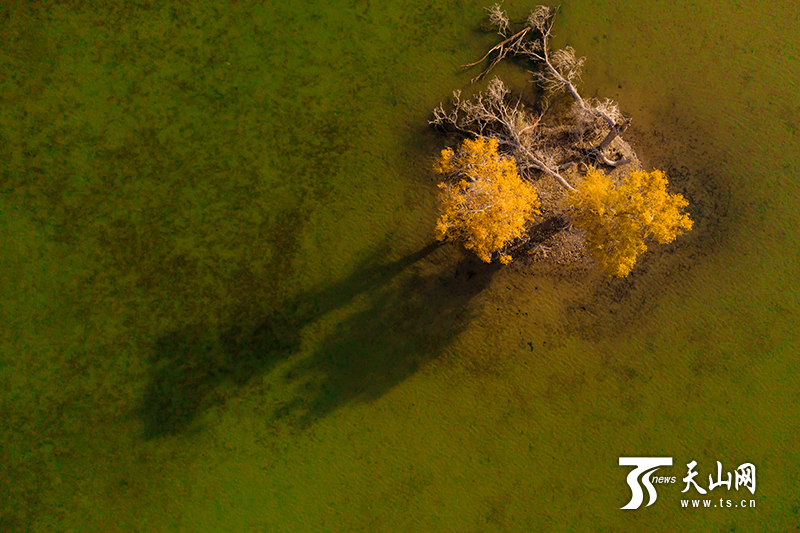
(221, 312)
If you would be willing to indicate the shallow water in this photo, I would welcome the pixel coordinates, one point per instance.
(222, 310)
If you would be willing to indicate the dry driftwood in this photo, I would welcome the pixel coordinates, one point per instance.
(536, 141)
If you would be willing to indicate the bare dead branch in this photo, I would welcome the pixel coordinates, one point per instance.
(502, 49)
(517, 131)
(499, 19)
(594, 122)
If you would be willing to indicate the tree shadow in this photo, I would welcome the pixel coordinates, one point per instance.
(410, 316)
(404, 327)
(537, 234)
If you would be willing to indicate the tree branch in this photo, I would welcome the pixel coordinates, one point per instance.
(521, 134)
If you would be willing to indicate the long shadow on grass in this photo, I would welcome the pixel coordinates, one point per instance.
(410, 316)
(405, 326)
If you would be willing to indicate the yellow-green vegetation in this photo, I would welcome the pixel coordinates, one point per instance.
(218, 314)
(619, 219)
(484, 203)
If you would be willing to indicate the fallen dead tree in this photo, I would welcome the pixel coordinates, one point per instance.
(506, 143)
(536, 143)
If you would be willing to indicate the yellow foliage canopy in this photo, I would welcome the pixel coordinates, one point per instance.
(617, 220)
(485, 204)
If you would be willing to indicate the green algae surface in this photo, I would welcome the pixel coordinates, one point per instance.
(222, 308)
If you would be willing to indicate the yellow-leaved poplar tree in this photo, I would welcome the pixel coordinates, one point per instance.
(484, 203)
(618, 219)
